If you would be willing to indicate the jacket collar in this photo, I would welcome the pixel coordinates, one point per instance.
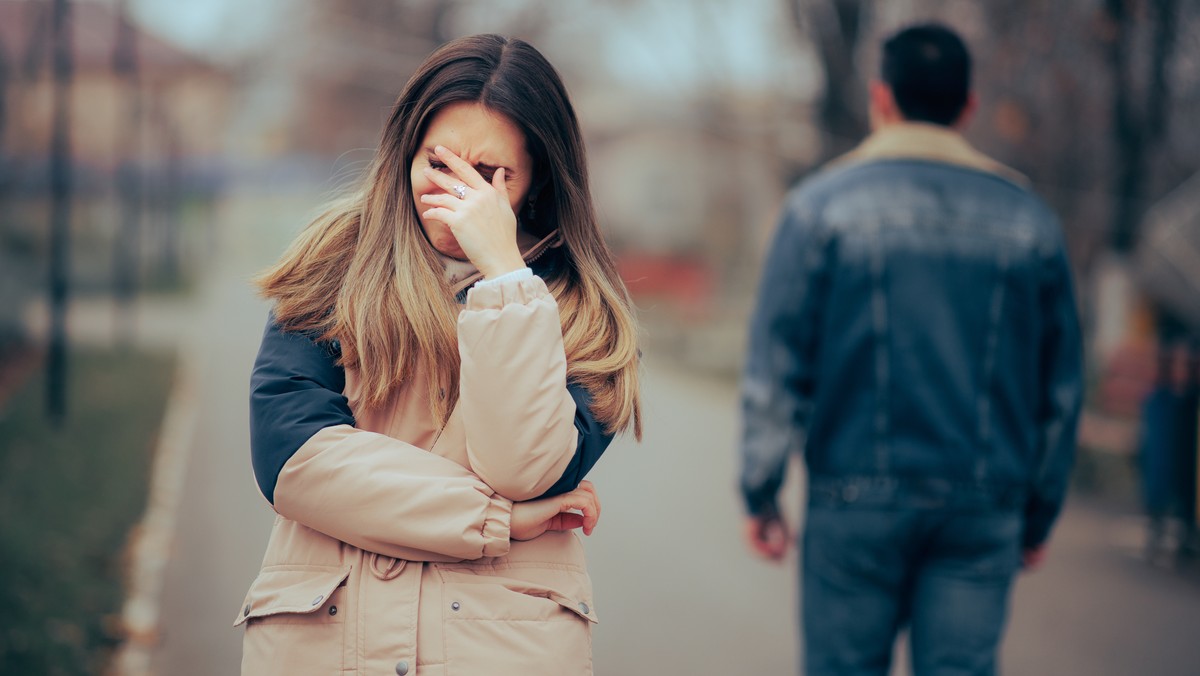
(924, 141)
(462, 274)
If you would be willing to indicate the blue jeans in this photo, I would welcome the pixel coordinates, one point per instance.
(869, 572)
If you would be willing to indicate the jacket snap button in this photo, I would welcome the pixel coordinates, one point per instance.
(455, 606)
(317, 601)
(333, 610)
(402, 667)
(583, 607)
(246, 610)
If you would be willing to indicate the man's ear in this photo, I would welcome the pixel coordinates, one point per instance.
(968, 112)
(883, 108)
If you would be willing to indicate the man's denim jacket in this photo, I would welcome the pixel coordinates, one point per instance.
(916, 333)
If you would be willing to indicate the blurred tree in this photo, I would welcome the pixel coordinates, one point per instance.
(125, 258)
(4, 78)
(1079, 96)
(1140, 100)
(10, 331)
(172, 203)
(60, 212)
(358, 54)
(1042, 104)
(836, 27)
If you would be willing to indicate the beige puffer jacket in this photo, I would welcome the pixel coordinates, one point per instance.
(391, 555)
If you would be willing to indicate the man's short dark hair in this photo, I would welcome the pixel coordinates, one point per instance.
(928, 70)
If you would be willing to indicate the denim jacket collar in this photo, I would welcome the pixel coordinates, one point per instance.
(924, 141)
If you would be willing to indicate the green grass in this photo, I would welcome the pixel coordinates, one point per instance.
(68, 498)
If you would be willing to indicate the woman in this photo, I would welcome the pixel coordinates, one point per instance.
(450, 352)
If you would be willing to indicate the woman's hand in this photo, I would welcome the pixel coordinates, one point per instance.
(531, 519)
(482, 219)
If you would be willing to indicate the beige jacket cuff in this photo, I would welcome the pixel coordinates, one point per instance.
(522, 290)
(496, 522)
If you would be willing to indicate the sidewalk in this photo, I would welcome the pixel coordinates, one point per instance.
(669, 548)
(222, 522)
(1099, 607)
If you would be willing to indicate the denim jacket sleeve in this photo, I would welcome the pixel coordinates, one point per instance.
(296, 391)
(1061, 366)
(778, 379)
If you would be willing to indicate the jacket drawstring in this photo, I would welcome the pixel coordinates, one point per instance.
(385, 567)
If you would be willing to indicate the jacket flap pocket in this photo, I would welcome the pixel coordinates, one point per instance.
(290, 589)
(580, 608)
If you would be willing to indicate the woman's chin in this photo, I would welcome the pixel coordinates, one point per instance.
(451, 250)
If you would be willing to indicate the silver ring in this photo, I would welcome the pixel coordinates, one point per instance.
(460, 190)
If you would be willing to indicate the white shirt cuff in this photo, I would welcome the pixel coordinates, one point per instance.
(514, 276)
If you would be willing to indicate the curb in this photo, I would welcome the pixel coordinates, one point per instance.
(151, 540)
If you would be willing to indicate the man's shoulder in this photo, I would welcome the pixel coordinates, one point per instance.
(842, 173)
(882, 184)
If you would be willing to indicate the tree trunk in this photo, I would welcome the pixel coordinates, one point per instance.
(126, 261)
(834, 26)
(1136, 132)
(4, 76)
(60, 214)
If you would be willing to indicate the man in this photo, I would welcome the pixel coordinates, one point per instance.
(916, 329)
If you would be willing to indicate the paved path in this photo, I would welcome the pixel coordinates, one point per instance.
(1098, 608)
(224, 522)
(677, 594)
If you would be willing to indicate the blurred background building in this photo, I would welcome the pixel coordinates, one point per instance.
(147, 138)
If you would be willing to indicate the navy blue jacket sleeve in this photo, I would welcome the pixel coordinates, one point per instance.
(295, 391)
(589, 446)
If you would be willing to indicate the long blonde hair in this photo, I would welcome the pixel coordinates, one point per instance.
(363, 272)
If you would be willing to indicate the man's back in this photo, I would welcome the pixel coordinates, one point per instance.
(916, 335)
(939, 282)
(918, 304)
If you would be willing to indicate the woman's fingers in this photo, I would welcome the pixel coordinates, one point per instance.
(585, 501)
(500, 184)
(440, 214)
(567, 521)
(439, 200)
(531, 519)
(590, 488)
(464, 171)
(443, 180)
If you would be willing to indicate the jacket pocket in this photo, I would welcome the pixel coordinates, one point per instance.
(502, 625)
(295, 620)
